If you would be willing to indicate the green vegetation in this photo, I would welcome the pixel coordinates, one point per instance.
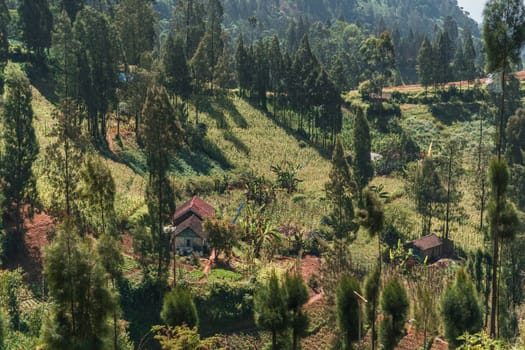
(116, 113)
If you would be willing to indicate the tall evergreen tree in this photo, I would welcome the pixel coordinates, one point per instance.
(64, 59)
(97, 191)
(296, 296)
(503, 221)
(64, 160)
(136, 28)
(270, 308)
(443, 55)
(82, 303)
(36, 21)
(212, 41)
(261, 74)
(469, 55)
(371, 289)
(362, 163)
(428, 191)
(348, 310)
(424, 63)
(503, 38)
(175, 68)
(459, 63)
(19, 144)
(162, 135)
(72, 7)
(242, 63)
(96, 68)
(188, 18)
(4, 42)
(339, 190)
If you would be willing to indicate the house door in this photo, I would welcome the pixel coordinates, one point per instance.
(188, 243)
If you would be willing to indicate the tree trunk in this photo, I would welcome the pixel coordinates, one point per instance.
(447, 214)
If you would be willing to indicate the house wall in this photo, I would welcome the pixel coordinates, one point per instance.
(196, 242)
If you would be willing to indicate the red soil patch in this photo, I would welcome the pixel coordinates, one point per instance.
(28, 252)
(415, 340)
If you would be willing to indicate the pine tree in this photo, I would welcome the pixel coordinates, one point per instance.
(503, 38)
(97, 191)
(459, 63)
(82, 303)
(261, 74)
(19, 144)
(270, 308)
(243, 67)
(135, 21)
(202, 72)
(362, 163)
(63, 54)
(36, 21)
(503, 221)
(428, 191)
(188, 17)
(64, 160)
(215, 44)
(424, 64)
(96, 67)
(460, 309)
(442, 58)
(340, 190)
(296, 296)
(162, 135)
(4, 43)
(395, 306)
(348, 310)
(372, 285)
(175, 68)
(72, 7)
(469, 54)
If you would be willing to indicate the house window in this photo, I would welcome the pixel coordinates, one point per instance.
(188, 243)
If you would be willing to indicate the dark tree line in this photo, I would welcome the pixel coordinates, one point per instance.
(297, 87)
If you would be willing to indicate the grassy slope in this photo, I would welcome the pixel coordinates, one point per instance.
(250, 140)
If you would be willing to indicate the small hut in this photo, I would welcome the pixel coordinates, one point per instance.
(433, 247)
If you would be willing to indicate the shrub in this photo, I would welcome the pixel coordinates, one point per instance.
(460, 309)
(179, 309)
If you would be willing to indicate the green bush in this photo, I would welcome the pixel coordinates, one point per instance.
(178, 308)
(460, 309)
(224, 275)
(224, 303)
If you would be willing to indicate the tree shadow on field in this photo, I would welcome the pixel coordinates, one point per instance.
(227, 104)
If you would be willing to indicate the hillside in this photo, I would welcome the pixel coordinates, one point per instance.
(248, 140)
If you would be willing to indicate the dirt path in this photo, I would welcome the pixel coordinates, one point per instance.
(520, 75)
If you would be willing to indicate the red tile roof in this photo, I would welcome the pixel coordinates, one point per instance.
(427, 242)
(193, 223)
(197, 206)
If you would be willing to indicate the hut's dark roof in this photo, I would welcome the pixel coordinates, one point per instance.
(427, 242)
